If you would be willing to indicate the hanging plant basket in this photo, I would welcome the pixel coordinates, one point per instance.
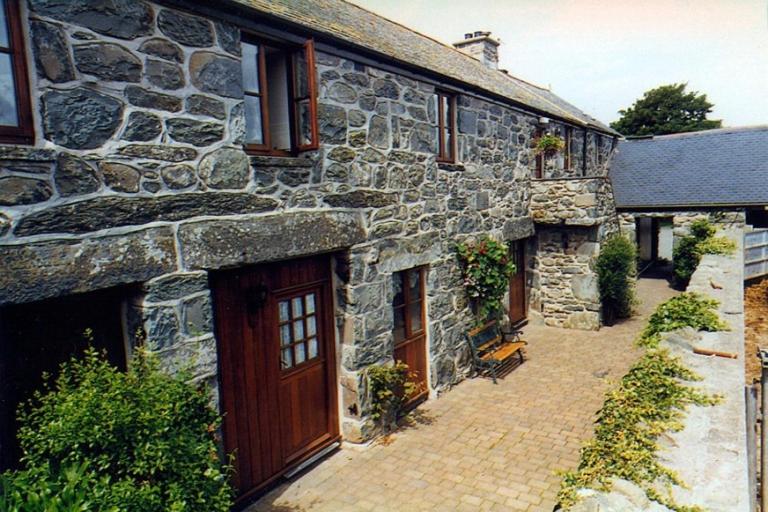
(549, 145)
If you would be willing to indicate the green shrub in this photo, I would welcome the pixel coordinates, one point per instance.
(390, 390)
(486, 268)
(702, 240)
(616, 270)
(138, 441)
(649, 400)
(685, 310)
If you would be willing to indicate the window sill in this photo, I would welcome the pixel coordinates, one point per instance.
(26, 153)
(449, 166)
(280, 161)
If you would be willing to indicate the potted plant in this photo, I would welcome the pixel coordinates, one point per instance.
(549, 145)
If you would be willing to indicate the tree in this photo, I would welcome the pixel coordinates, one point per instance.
(667, 109)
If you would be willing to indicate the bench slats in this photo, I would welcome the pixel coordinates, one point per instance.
(489, 344)
(503, 352)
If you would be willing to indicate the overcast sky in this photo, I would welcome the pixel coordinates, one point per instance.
(601, 55)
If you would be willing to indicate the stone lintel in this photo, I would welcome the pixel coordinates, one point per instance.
(516, 229)
(216, 244)
(42, 270)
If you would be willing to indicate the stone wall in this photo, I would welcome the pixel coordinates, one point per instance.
(709, 453)
(139, 176)
(573, 202)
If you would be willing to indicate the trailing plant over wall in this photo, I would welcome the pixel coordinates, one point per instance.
(390, 391)
(549, 144)
(486, 268)
(651, 399)
(101, 439)
(616, 271)
(685, 310)
(689, 250)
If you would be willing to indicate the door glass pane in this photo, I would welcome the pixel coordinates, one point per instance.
(301, 355)
(4, 38)
(397, 284)
(310, 300)
(414, 285)
(285, 334)
(250, 67)
(414, 312)
(8, 113)
(304, 117)
(287, 359)
(298, 330)
(312, 348)
(311, 326)
(284, 311)
(298, 308)
(399, 332)
(254, 131)
(300, 74)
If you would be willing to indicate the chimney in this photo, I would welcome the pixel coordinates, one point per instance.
(481, 46)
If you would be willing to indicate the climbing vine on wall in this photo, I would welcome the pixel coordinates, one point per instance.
(486, 268)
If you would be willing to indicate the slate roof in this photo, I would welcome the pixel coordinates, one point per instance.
(370, 32)
(721, 167)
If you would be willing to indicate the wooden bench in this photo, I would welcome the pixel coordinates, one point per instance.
(493, 350)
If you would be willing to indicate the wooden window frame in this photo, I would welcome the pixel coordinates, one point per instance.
(446, 155)
(538, 133)
(24, 132)
(410, 334)
(309, 51)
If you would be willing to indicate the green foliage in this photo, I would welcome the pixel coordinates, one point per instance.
(390, 390)
(685, 310)
(650, 400)
(486, 268)
(549, 144)
(689, 250)
(666, 109)
(101, 439)
(616, 270)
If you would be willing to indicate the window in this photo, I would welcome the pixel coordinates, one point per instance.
(568, 137)
(298, 324)
(539, 158)
(446, 122)
(15, 112)
(280, 98)
(408, 304)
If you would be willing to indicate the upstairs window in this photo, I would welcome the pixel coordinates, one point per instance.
(280, 98)
(446, 127)
(15, 112)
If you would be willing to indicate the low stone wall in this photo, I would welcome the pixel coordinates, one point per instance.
(709, 454)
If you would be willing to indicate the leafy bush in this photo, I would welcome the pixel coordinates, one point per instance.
(689, 250)
(616, 270)
(685, 310)
(101, 439)
(390, 391)
(486, 269)
(650, 400)
(549, 144)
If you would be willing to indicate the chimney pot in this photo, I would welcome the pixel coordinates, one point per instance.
(468, 35)
(480, 46)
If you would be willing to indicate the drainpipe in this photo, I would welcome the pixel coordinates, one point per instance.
(763, 430)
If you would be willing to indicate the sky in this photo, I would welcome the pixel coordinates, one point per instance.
(601, 55)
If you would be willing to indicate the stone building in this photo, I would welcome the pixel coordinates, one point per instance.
(664, 183)
(272, 192)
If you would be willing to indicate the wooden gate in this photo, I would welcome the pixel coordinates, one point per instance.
(276, 367)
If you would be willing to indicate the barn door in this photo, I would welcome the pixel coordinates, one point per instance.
(518, 310)
(277, 367)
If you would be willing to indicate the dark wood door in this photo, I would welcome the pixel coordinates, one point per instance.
(276, 367)
(518, 309)
(410, 327)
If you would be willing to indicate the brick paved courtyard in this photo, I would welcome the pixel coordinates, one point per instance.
(483, 446)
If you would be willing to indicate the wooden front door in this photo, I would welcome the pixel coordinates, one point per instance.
(276, 367)
(410, 333)
(518, 310)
